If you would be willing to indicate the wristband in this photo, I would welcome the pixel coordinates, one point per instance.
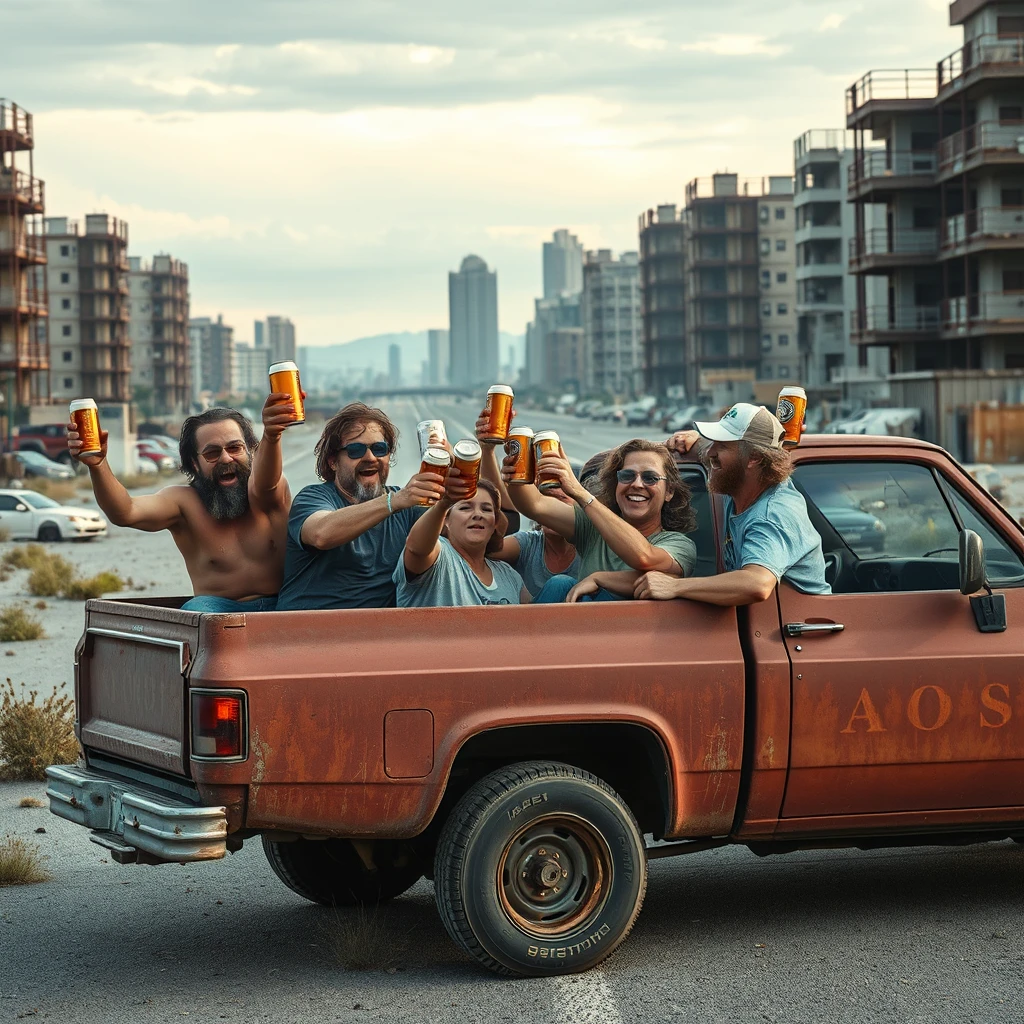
(391, 511)
(589, 503)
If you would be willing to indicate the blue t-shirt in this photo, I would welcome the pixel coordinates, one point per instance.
(530, 564)
(354, 575)
(451, 583)
(775, 532)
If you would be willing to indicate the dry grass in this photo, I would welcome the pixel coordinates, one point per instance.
(33, 736)
(41, 605)
(361, 940)
(81, 589)
(16, 624)
(31, 801)
(27, 557)
(51, 577)
(64, 491)
(54, 576)
(20, 863)
(5, 534)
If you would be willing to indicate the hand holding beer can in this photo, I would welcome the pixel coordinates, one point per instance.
(544, 443)
(466, 459)
(86, 419)
(431, 434)
(790, 413)
(434, 460)
(519, 446)
(284, 380)
(498, 410)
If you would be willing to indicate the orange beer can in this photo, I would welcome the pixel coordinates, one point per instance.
(466, 459)
(434, 460)
(284, 380)
(545, 441)
(790, 413)
(498, 409)
(87, 422)
(520, 446)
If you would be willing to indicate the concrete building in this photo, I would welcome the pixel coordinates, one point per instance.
(258, 335)
(215, 340)
(395, 366)
(158, 303)
(780, 356)
(612, 324)
(249, 366)
(565, 360)
(24, 344)
(438, 354)
(88, 295)
(564, 311)
(280, 338)
(563, 265)
(941, 150)
(662, 299)
(473, 324)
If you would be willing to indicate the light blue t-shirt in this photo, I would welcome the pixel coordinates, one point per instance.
(530, 564)
(775, 532)
(451, 583)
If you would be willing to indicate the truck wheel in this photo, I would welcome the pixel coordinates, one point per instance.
(540, 869)
(343, 872)
(49, 533)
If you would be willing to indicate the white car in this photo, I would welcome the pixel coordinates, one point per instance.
(27, 514)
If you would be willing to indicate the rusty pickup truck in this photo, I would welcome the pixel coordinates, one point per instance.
(531, 760)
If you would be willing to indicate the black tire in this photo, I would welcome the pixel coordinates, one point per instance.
(49, 533)
(332, 872)
(498, 860)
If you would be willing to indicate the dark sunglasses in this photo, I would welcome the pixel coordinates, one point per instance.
(356, 450)
(212, 452)
(648, 477)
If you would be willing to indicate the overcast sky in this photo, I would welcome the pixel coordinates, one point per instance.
(332, 160)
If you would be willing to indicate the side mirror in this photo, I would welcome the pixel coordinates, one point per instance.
(972, 562)
(20, 508)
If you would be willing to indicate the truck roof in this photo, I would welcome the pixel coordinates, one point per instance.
(864, 440)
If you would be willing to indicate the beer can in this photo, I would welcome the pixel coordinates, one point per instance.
(284, 380)
(544, 442)
(466, 459)
(434, 460)
(430, 433)
(87, 423)
(520, 447)
(790, 413)
(498, 410)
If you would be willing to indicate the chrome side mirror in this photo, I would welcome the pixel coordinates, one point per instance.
(972, 562)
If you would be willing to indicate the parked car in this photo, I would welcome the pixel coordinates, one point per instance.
(144, 466)
(49, 439)
(37, 464)
(27, 514)
(863, 532)
(637, 416)
(149, 449)
(684, 418)
(990, 478)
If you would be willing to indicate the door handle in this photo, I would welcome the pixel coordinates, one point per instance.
(806, 628)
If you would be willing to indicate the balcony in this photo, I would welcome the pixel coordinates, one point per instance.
(883, 171)
(15, 127)
(880, 250)
(985, 229)
(818, 140)
(987, 313)
(907, 90)
(29, 299)
(987, 56)
(885, 325)
(29, 192)
(985, 143)
(22, 245)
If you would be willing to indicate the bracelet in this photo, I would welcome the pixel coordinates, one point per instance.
(391, 511)
(589, 503)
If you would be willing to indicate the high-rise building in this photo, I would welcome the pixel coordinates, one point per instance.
(561, 312)
(395, 366)
(563, 265)
(280, 338)
(662, 298)
(216, 353)
(158, 332)
(565, 360)
(258, 328)
(24, 346)
(249, 367)
(473, 324)
(88, 294)
(612, 324)
(780, 355)
(438, 353)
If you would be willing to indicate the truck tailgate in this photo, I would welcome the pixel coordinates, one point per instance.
(131, 669)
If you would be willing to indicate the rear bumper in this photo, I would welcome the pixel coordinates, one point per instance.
(124, 818)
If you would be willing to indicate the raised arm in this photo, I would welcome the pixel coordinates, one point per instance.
(489, 468)
(148, 512)
(423, 544)
(549, 512)
(268, 489)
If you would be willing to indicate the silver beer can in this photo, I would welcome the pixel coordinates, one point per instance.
(430, 433)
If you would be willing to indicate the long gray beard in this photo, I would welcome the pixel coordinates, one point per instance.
(365, 493)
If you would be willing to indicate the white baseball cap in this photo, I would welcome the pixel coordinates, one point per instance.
(745, 422)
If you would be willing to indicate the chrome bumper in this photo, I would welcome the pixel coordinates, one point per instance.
(125, 820)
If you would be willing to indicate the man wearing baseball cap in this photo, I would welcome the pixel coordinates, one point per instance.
(768, 535)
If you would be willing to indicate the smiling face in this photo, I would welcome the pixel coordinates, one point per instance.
(223, 485)
(728, 468)
(640, 504)
(471, 522)
(361, 479)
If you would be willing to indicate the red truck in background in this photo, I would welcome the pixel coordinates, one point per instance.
(531, 760)
(49, 439)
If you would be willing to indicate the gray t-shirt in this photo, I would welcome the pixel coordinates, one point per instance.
(596, 556)
(354, 575)
(530, 564)
(776, 533)
(451, 583)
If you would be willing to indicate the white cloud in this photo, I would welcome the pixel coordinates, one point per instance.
(831, 22)
(728, 45)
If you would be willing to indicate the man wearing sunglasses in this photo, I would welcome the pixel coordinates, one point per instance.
(346, 535)
(229, 523)
(769, 537)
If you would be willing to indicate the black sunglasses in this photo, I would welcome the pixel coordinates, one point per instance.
(648, 477)
(356, 450)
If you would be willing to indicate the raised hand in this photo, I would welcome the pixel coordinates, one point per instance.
(75, 446)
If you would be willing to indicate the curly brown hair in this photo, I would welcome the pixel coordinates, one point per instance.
(339, 424)
(677, 512)
(776, 464)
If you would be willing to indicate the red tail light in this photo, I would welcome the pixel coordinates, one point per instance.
(218, 724)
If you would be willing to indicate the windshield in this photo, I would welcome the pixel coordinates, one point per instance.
(38, 500)
(33, 457)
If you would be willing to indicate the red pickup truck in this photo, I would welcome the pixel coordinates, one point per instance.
(531, 760)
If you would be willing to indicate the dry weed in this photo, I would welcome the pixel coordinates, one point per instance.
(33, 736)
(16, 624)
(41, 605)
(52, 577)
(20, 863)
(31, 801)
(27, 557)
(5, 534)
(94, 586)
(361, 939)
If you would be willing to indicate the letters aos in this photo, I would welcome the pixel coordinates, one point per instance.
(930, 708)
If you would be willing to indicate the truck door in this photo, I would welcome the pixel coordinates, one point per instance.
(909, 711)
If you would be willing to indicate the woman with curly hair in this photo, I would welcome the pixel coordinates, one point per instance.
(635, 522)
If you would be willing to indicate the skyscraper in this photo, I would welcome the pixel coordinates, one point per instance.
(563, 265)
(280, 338)
(395, 366)
(611, 324)
(473, 323)
(438, 345)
